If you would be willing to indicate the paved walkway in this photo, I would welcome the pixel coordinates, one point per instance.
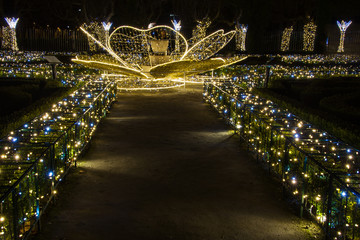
(164, 166)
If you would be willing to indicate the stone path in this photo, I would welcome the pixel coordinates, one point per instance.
(164, 166)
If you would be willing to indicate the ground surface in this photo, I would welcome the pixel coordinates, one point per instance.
(164, 166)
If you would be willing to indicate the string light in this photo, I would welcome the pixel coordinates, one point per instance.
(9, 34)
(200, 30)
(66, 129)
(309, 36)
(285, 39)
(107, 27)
(155, 52)
(98, 32)
(177, 27)
(271, 133)
(343, 27)
(241, 31)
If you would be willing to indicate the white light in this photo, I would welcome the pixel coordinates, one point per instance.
(342, 26)
(107, 25)
(12, 22)
(177, 25)
(151, 25)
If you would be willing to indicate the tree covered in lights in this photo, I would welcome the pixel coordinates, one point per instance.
(285, 39)
(240, 37)
(199, 32)
(343, 27)
(99, 31)
(107, 26)
(309, 36)
(9, 34)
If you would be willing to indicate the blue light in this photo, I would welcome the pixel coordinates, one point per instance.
(343, 194)
(26, 126)
(51, 174)
(14, 139)
(47, 128)
(348, 150)
(296, 135)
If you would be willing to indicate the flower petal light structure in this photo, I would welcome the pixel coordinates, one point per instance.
(158, 52)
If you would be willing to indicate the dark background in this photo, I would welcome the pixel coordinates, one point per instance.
(265, 18)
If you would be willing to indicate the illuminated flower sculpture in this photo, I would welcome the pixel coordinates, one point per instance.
(157, 53)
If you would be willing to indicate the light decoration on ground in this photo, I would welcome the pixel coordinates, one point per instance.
(321, 172)
(35, 158)
(157, 53)
(285, 39)
(309, 36)
(9, 34)
(343, 27)
(240, 37)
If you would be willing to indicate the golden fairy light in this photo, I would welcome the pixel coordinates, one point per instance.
(200, 30)
(343, 27)
(160, 53)
(9, 34)
(285, 39)
(240, 37)
(309, 36)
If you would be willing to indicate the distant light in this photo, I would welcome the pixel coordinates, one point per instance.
(107, 25)
(151, 25)
(12, 22)
(177, 25)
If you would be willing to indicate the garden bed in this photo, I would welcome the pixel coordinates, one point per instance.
(330, 104)
(24, 98)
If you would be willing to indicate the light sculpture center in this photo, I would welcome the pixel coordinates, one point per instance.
(160, 52)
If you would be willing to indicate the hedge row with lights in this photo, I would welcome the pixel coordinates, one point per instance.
(318, 171)
(35, 157)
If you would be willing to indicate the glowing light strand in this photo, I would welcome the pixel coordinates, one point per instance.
(200, 30)
(309, 36)
(240, 37)
(148, 47)
(208, 46)
(343, 27)
(9, 38)
(177, 27)
(285, 39)
(98, 32)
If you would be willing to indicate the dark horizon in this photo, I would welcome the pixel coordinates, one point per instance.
(265, 15)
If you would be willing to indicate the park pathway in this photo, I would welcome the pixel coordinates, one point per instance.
(163, 165)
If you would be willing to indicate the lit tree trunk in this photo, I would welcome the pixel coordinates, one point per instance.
(10, 40)
(342, 26)
(285, 40)
(309, 36)
(241, 30)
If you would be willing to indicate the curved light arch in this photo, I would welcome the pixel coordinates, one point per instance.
(106, 48)
(207, 45)
(152, 54)
(140, 46)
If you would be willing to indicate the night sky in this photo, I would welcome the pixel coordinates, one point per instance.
(266, 15)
